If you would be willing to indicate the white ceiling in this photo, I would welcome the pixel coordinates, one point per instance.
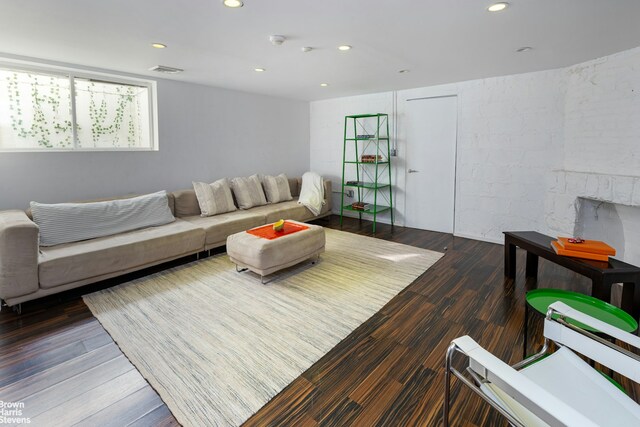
(438, 41)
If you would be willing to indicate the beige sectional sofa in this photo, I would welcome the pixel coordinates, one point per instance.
(28, 271)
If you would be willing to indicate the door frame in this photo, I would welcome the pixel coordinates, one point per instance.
(455, 156)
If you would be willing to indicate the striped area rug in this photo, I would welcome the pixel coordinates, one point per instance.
(217, 345)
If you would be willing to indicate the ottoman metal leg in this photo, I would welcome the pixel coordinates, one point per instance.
(240, 270)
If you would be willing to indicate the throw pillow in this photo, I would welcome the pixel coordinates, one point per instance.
(73, 222)
(277, 188)
(248, 192)
(214, 198)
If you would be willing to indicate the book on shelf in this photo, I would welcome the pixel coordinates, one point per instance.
(592, 246)
(555, 245)
(370, 158)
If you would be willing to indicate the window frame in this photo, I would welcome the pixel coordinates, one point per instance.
(72, 74)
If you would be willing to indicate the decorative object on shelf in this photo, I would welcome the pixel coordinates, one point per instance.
(371, 158)
(367, 147)
(358, 206)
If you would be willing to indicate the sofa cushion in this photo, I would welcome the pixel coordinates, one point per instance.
(73, 222)
(214, 198)
(218, 227)
(294, 187)
(276, 188)
(248, 191)
(284, 210)
(72, 262)
(186, 203)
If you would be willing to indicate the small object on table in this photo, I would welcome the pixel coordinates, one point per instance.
(579, 248)
(540, 299)
(279, 226)
(591, 246)
(577, 254)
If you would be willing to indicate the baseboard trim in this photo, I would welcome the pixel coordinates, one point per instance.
(368, 217)
(480, 238)
(350, 214)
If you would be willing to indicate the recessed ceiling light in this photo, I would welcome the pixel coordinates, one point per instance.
(259, 70)
(233, 3)
(344, 47)
(324, 84)
(524, 49)
(403, 71)
(497, 7)
(158, 45)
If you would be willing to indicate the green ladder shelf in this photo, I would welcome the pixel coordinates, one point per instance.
(375, 143)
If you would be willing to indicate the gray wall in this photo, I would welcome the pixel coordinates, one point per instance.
(205, 133)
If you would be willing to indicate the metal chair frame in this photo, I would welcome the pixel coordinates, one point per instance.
(476, 380)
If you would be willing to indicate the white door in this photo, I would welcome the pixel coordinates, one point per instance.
(431, 125)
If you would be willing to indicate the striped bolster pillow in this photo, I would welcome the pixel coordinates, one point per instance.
(73, 222)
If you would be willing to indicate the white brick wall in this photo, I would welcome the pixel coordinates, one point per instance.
(566, 188)
(602, 115)
(514, 131)
(507, 129)
(509, 139)
(601, 154)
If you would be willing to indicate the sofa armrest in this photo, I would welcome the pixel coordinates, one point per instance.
(328, 196)
(18, 254)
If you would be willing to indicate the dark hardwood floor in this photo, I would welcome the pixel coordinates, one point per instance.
(59, 361)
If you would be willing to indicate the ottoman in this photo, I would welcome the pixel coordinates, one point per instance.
(264, 256)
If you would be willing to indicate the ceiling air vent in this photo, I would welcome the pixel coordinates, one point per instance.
(165, 69)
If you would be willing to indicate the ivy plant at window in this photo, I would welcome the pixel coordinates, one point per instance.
(37, 112)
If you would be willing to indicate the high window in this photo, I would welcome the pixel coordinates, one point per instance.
(43, 110)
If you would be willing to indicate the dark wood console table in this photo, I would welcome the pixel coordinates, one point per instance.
(602, 274)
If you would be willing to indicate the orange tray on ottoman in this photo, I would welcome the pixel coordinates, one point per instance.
(267, 231)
